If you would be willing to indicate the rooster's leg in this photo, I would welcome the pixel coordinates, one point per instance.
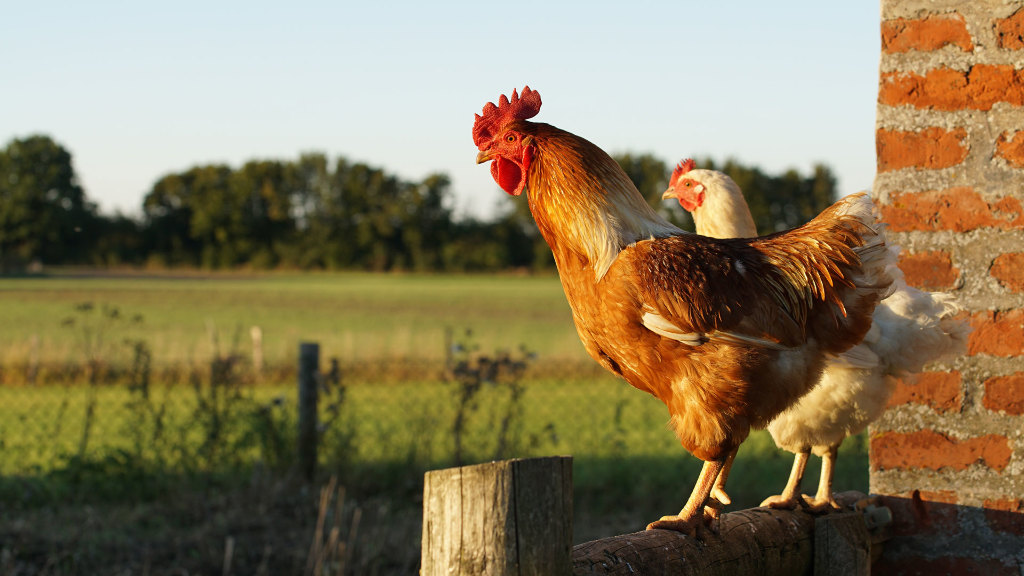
(719, 498)
(823, 501)
(692, 517)
(788, 499)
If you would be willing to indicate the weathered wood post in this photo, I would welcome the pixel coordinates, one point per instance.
(256, 334)
(842, 545)
(309, 371)
(512, 517)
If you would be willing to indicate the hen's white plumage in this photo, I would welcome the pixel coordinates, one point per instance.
(910, 329)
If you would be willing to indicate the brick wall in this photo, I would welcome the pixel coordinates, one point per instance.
(949, 453)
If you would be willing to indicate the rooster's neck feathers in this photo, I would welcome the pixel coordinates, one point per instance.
(584, 202)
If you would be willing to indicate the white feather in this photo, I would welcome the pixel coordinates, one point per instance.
(659, 325)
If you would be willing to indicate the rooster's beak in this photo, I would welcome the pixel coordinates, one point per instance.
(670, 193)
(483, 156)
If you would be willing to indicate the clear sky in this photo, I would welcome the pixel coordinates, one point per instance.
(136, 90)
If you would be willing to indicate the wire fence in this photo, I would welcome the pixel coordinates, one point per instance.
(128, 435)
(226, 419)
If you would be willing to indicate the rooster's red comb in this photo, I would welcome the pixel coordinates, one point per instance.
(683, 167)
(508, 109)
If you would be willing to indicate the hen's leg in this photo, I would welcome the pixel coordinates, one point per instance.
(788, 499)
(823, 501)
(691, 518)
(719, 499)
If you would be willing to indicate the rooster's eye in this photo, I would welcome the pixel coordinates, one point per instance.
(510, 138)
(688, 184)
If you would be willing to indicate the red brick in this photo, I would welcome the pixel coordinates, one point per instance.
(997, 333)
(1005, 393)
(929, 449)
(929, 270)
(947, 89)
(1010, 147)
(925, 34)
(940, 496)
(958, 209)
(1005, 515)
(931, 148)
(1011, 31)
(1009, 270)
(939, 391)
(944, 566)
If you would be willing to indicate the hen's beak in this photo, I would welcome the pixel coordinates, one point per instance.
(670, 193)
(483, 156)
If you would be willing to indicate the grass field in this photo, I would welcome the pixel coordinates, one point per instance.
(355, 316)
(68, 447)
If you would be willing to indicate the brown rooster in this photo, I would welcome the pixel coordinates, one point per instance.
(727, 333)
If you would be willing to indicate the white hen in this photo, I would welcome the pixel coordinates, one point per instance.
(910, 329)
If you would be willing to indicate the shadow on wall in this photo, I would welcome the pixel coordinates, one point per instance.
(923, 523)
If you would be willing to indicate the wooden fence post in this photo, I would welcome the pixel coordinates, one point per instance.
(309, 372)
(842, 545)
(506, 518)
(256, 333)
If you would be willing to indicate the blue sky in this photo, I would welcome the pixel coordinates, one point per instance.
(137, 90)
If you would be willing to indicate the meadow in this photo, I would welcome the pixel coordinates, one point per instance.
(90, 419)
(354, 316)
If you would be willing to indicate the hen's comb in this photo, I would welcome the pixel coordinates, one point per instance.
(683, 167)
(507, 110)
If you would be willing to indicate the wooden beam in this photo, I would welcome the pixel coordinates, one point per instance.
(754, 541)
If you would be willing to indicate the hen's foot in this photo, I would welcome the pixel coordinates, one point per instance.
(780, 502)
(820, 505)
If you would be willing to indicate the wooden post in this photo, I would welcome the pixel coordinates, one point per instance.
(507, 518)
(256, 333)
(842, 545)
(309, 372)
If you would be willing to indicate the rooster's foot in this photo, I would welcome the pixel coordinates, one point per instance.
(715, 505)
(780, 502)
(692, 526)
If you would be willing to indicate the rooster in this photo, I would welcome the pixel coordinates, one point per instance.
(726, 333)
(910, 328)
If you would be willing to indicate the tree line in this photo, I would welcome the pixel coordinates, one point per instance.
(316, 213)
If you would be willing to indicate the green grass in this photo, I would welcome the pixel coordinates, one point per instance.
(355, 316)
(628, 467)
(386, 433)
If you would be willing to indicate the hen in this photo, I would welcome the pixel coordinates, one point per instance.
(910, 328)
(726, 333)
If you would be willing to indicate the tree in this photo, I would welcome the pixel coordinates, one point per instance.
(44, 214)
(316, 213)
(650, 175)
(185, 216)
(262, 192)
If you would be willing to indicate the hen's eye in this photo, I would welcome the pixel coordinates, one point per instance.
(510, 138)
(688, 184)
